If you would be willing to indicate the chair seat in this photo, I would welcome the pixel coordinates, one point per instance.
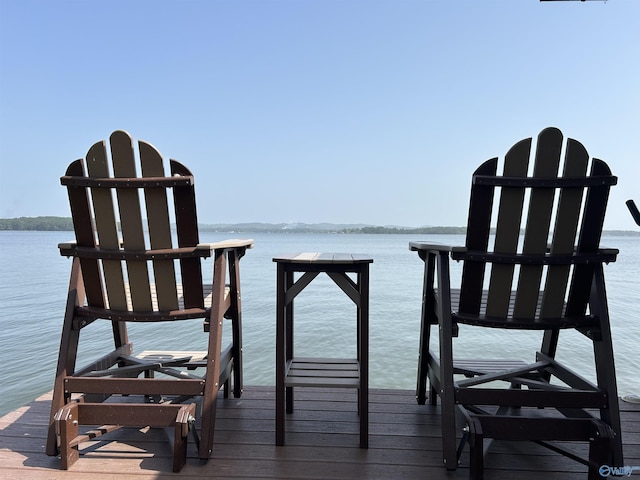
(509, 321)
(207, 291)
(156, 314)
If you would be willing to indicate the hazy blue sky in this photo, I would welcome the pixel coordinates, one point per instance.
(373, 111)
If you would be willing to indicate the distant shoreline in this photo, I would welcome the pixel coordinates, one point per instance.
(52, 224)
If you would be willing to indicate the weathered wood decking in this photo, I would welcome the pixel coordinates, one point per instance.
(322, 443)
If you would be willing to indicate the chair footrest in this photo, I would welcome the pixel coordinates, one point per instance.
(513, 427)
(595, 432)
(169, 356)
(116, 415)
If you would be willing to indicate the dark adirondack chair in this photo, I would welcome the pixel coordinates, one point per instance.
(127, 268)
(544, 273)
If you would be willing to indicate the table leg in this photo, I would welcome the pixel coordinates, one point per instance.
(280, 354)
(363, 341)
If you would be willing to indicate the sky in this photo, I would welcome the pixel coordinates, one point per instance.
(340, 111)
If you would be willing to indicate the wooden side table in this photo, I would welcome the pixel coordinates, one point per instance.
(294, 371)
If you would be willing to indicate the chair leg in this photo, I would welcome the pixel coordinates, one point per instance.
(433, 396)
(600, 449)
(476, 449)
(69, 343)
(67, 353)
(433, 376)
(236, 322)
(445, 374)
(606, 381)
(225, 388)
(423, 361)
(208, 413)
(237, 357)
(425, 331)
(66, 429)
(184, 421)
(448, 418)
(605, 364)
(212, 380)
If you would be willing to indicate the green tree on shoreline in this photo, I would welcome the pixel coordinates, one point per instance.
(37, 223)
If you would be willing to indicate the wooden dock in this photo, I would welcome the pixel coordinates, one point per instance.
(322, 443)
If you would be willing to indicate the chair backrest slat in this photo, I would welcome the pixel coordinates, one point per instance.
(83, 227)
(565, 229)
(510, 208)
(187, 228)
(478, 230)
(124, 166)
(589, 239)
(159, 228)
(538, 222)
(106, 227)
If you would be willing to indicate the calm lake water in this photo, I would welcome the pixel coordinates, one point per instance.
(34, 280)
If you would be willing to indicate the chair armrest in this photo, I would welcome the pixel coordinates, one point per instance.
(602, 255)
(67, 248)
(608, 254)
(434, 247)
(226, 245)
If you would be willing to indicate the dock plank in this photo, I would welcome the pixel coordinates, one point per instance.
(322, 442)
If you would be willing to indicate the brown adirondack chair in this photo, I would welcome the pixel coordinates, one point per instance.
(533, 284)
(126, 268)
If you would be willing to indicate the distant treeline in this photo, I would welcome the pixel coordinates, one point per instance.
(419, 230)
(65, 224)
(37, 223)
